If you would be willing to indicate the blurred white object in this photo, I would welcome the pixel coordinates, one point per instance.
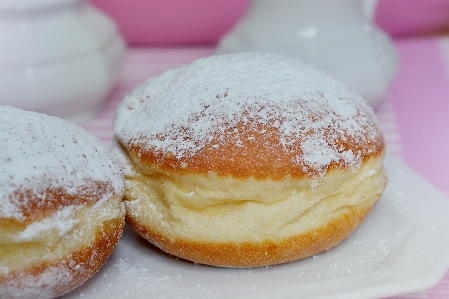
(333, 35)
(59, 57)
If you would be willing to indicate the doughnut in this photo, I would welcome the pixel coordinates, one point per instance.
(61, 209)
(247, 160)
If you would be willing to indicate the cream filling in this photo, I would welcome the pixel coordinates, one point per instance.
(56, 236)
(213, 208)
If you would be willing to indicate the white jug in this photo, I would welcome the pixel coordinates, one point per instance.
(334, 35)
(59, 57)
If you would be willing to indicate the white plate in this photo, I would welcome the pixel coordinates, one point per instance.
(402, 247)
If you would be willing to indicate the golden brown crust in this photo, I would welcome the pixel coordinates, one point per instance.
(247, 115)
(257, 152)
(80, 265)
(33, 207)
(264, 253)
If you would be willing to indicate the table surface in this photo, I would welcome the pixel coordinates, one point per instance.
(414, 114)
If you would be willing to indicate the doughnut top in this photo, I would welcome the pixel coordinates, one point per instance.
(48, 164)
(247, 114)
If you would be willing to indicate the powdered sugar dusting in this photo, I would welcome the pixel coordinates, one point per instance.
(63, 221)
(40, 153)
(28, 286)
(182, 110)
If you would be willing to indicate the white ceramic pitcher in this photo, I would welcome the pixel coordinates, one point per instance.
(334, 35)
(59, 57)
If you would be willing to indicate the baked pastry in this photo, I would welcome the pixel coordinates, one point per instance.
(247, 159)
(61, 209)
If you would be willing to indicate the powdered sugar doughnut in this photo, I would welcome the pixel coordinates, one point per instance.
(60, 205)
(247, 160)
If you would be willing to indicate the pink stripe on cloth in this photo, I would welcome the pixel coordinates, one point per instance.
(441, 290)
(388, 124)
(421, 96)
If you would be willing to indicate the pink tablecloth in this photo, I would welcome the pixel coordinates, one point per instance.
(414, 114)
